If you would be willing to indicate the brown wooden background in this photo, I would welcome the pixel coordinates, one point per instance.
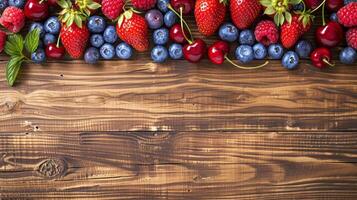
(138, 130)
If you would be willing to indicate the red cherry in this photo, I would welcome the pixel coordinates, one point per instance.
(36, 11)
(321, 57)
(312, 4)
(217, 52)
(176, 34)
(329, 35)
(194, 51)
(186, 5)
(334, 5)
(52, 2)
(52, 51)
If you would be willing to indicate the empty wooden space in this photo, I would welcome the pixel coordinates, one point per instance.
(139, 130)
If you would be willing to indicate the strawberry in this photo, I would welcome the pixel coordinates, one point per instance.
(133, 29)
(351, 37)
(2, 40)
(244, 12)
(74, 36)
(347, 15)
(291, 32)
(13, 19)
(143, 4)
(209, 15)
(112, 8)
(266, 32)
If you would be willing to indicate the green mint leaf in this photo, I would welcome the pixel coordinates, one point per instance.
(13, 68)
(14, 45)
(31, 40)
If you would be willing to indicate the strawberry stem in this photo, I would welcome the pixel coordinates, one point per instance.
(245, 67)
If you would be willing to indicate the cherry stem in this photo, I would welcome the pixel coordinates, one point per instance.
(322, 3)
(58, 41)
(303, 3)
(245, 67)
(326, 60)
(182, 21)
(323, 15)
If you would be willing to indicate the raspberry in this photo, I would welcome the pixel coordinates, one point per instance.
(351, 37)
(2, 40)
(347, 15)
(112, 8)
(266, 32)
(13, 19)
(143, 4)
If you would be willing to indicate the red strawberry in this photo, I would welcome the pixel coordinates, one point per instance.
(74, 36)
(2, 40)
(143, 4)
(351, 37)
(133, 29)
(112, 8)
(13, 19)
(291, 32)
(209, 15)
(347, 15)
(244, 12)
(266, 32)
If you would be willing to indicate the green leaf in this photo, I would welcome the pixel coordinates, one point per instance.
(269, 10)
(78, 21)
(266, 3)
(13, 68)
(282, 19)
(288, 17)
(32, 39)
(276, 19)
(294, 2)
(121, 20)
(14, 45)
(62, 3)
(94, 6)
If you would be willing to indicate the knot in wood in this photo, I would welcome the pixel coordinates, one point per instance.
(52, 168)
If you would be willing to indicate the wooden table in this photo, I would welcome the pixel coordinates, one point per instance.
(138, 130)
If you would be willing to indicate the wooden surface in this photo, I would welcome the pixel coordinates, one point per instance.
(138, 130)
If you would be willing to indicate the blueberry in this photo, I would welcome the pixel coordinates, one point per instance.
(159, 54)
(303, 48)
(228, 32)
(110, 34)
(96, 24)
(49, 38)
(290, 60)
(38, 26)
(40, 44)
(175, 51)
(170, 18)
(17, 3)
(3, 4)
(91, 55)
(348, 55)
(275, 51)
(124, 51)
(244, 53)
(298, 7)
(161, 36)
(162, 5)
(38, 56)
(154, 18)
(96, 40)
(333, 17)
(107, 51)
(260, 52)
(246, 37)
(348, 1)
(52, 25)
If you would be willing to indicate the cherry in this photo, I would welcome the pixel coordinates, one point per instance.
(176, 34)
(52, 2)
(218, 53)
(186, 5)
(312, 4)
(334, 5)
(36, 10)
(329, 35)
(54, 51)
(321, 57)
(194, 51)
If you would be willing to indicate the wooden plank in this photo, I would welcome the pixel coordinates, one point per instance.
(184, 165)
(131, 96)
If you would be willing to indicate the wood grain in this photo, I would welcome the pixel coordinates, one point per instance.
(132, 96)
(183, 165)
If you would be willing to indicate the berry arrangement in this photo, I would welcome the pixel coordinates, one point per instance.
(109, 29)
